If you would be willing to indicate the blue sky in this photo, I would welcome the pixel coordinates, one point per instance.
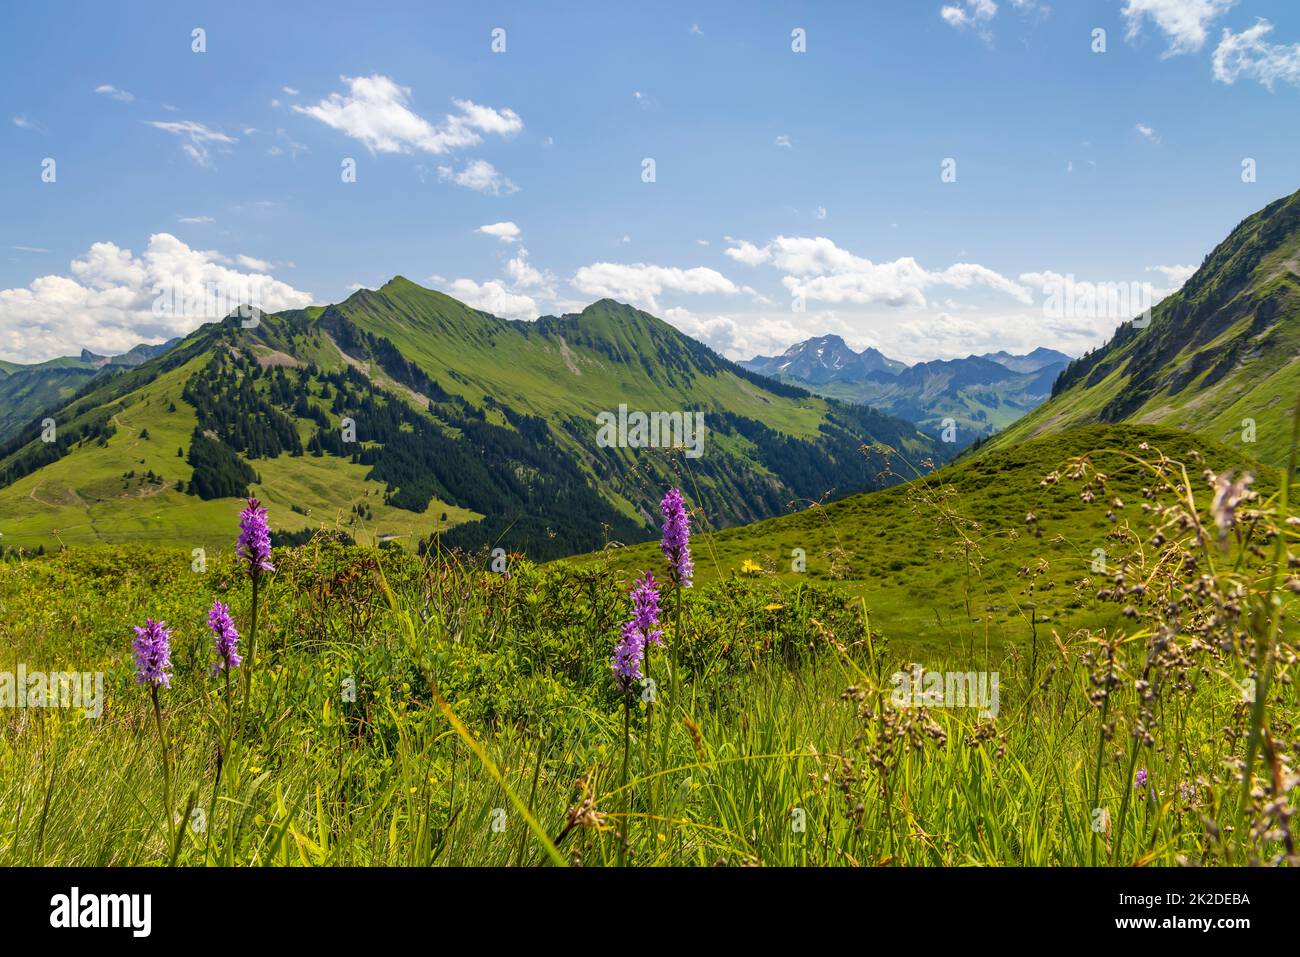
(795, 193)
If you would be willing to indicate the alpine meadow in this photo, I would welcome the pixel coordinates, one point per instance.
(787, 452)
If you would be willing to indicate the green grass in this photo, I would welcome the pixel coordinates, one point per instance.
(978, 577)
(487, 729)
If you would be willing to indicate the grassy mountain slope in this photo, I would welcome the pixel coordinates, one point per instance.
(466, 425)
(904, 549)
(1222, 350)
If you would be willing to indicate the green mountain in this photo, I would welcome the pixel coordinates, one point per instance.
(1220, 357)
(401, 413)
(27, 390)
(980, 394)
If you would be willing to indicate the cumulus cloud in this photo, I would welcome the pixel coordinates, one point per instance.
(970, 13)
(114, 299)
(507, 232)
(197, 137)
(743, 336)
(641, 284)
(1047, 281)
(377, 111)
(882, 307)
(1183, 22)
(747, 253)
(816, 269)
(1175, 275)
(492, 296)
(524, 274)
(1248, 54)
(480, 176)
(252, 264)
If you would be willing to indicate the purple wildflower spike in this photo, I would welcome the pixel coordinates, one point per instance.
(676, 542)
(225, 639)
(153, 654)
(255, 538)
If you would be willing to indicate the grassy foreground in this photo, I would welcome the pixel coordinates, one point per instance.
(434, 712)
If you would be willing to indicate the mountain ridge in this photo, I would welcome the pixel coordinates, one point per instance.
(467, 427)
(1221, 356)
(975, 395)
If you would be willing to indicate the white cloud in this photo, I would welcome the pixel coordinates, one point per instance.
(523, 274)
(481, 176)
(1175, 275)
(253, 265)
(784, 140)
(742, 336)
(107, 304)
(969, 14)
(904, 326)
(747, 253)
(26, 123)
(1183, 22)
(507, 232)
(1147, 132)
(195, 220)
(377, 111)
(1137, 294)
(818, 270)
(289, 91)
(197, 135)
(1248, 54)
(492, 296)
(641, 284)
(122, 96)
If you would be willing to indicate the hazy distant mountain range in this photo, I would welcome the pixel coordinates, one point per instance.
(981, 394)
(27, 390)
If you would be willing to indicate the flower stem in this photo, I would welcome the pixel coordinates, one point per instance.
(167, 774)
(252, 652)
(627, 795)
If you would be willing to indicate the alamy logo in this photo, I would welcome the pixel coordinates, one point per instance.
(53, 689)
(103, 910)
(1068, 298)
(946, 689)
(651, 430)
